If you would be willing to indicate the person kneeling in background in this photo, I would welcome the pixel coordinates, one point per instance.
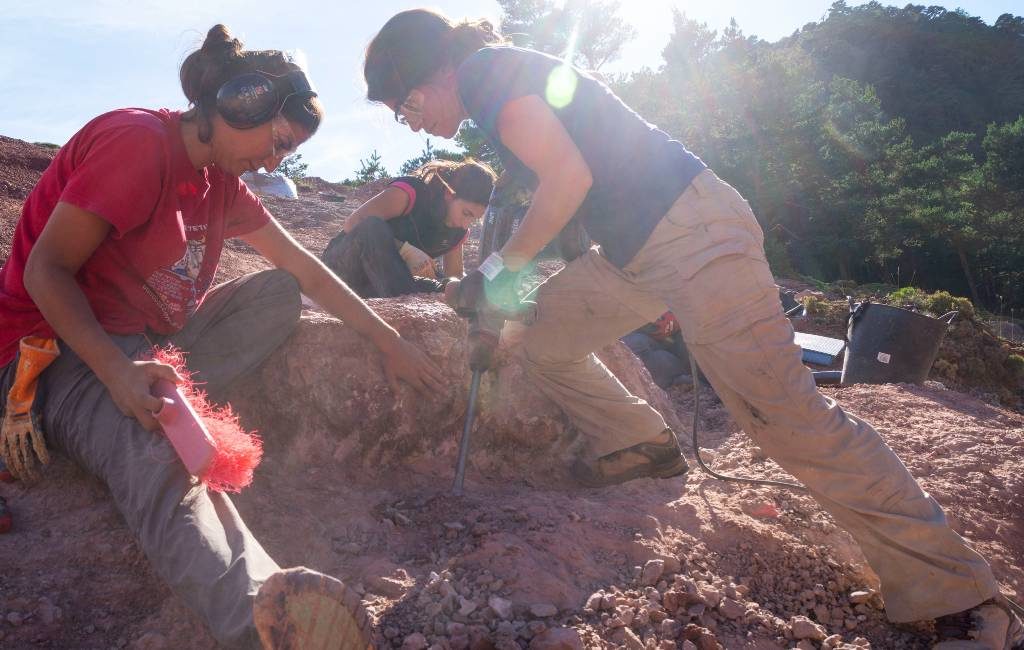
(660, 346)
(389, 244)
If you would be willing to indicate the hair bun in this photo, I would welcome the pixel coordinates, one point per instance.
(220, 43)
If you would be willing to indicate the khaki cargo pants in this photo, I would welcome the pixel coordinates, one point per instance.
(705, 261)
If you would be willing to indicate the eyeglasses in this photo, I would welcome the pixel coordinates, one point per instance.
(408, 113)
(405, 112)
(283, 141)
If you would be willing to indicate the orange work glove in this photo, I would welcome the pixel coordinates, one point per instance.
(21, 438)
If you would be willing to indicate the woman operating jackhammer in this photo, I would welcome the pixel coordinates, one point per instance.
(671, 235)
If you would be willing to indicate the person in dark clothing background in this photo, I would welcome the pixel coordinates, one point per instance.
(387, 247)
(660, 346)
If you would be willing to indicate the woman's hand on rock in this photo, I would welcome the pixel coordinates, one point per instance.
(407, 362)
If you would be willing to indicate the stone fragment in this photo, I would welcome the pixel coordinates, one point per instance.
(821, 612)
(671, 564)
(673, 600)
(805, 628)
(558, 638)
(860, 596)
(731, 609)
(711, 595)
(652, 572)
(669, 628)
(632, 641)
(543, 610)
(466, 606)
(609, 601)
(501, 607)
(415, 641)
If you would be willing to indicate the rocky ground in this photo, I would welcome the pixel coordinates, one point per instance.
(356, 483)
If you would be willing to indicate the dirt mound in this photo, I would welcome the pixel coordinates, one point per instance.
(526, 557)
(21, 165)
(325, 394)
(356, 483)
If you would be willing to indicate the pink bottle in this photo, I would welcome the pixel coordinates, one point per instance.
(184, 428)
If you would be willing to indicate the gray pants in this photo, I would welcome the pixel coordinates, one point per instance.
(194, 538)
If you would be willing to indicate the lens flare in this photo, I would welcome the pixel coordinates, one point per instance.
(561, 86)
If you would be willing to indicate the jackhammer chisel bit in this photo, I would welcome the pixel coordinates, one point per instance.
(460, 468)
(484, 334)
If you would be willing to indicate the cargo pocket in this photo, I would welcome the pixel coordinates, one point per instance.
(711, 220)
(723, 297)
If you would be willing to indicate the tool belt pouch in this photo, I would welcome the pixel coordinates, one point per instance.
(22, 445)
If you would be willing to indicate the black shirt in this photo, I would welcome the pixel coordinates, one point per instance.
(638, 170)
(423, 224)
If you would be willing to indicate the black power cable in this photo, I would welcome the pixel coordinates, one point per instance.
(694, 372)
(755, 481)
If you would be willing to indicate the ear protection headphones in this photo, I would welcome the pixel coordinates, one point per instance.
(251, 99)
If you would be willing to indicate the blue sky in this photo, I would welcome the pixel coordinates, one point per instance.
(64, 61)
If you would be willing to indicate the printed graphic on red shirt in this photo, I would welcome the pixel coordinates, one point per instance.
(163, 212)
(179, 288)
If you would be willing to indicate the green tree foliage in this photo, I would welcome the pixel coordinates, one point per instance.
(941, 70)
(880, 145)
(429, 153)
(592, 29)
(293, 167)
(371, 169)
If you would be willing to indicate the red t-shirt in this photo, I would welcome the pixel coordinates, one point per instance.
(168, 225)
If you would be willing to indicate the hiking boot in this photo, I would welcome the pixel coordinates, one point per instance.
(992, 625)
(658, 458)
(301, 609)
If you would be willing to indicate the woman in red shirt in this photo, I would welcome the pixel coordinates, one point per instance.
(117, 248)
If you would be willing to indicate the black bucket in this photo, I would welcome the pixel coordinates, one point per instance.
(889, 344)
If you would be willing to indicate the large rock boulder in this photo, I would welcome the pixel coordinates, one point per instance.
(323, 394)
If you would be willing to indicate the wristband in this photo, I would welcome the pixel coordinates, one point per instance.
(492, 266)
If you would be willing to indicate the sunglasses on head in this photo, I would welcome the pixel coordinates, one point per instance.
(253, 98)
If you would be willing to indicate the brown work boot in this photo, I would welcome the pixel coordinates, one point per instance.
(302, 609)
(992, 625)
(658, 458)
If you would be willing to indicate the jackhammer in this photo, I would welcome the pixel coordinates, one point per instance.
(484, 334)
